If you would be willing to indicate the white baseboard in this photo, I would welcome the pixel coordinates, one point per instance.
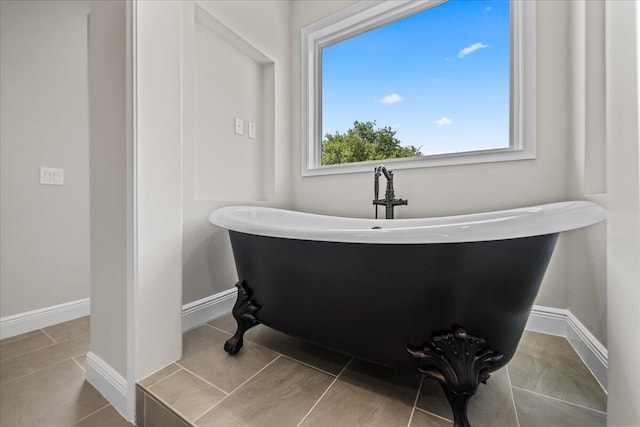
(193, 314)
(108, 382)
(556, 321)
(198, 312)
(37, 319)
(590, 350)
(548, 320)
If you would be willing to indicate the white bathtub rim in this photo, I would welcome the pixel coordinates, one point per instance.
(487, 226)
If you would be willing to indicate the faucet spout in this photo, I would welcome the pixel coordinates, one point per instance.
(382, 169)
(389, 201)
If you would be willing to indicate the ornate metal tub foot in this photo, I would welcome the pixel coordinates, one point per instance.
(244, 311)
(460, 362)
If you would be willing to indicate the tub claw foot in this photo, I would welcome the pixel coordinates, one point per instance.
(458, 402)
(460, 362)
(244, 311)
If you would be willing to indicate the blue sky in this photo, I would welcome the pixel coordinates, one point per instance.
(440, 78)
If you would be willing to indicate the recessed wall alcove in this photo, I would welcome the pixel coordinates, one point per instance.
(231, 78)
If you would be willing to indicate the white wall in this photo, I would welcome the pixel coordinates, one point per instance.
(136, 261)
(586, 167)
(44, 254)
(244, 164)
(158, 187)
(623, 224)
(231, 79)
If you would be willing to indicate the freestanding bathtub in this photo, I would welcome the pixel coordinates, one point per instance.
(448, 297)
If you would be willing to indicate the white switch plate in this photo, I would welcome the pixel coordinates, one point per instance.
(51, 176)
(238, 126)
(252, 130)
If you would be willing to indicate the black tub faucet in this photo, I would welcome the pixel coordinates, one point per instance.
(389, 200)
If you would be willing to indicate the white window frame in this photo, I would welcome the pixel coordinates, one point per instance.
(365, 15)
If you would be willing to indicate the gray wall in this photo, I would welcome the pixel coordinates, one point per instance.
(44, 255)
(107, 71)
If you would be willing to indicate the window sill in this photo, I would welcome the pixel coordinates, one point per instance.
(453, 159)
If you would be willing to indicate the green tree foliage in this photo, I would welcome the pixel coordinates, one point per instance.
(361, 143)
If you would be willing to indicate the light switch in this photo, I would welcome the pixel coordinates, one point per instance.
(51, 176)
(239, 126)
(252, 130)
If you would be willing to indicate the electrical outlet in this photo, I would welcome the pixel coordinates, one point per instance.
(238, 126)
(51, 176)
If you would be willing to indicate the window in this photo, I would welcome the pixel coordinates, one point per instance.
(439, 83)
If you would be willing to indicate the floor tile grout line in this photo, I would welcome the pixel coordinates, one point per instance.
(144, 409)
(308, 365)
(584, 363)
(139, 382)
(29, 352)
(254, 375)
(27, 335)
(41, 369)
(324, 393)
(43, 347)
(434, 415)
(216, 328)
(579, 356)
(235, 389)
(50, 337)
(513, 399)
(415, 402)
(277, 352)
(88, 415)
(172, 374)
(560, 400)
(245, 339)
(79, 365)
(168, 406)
(226, 393)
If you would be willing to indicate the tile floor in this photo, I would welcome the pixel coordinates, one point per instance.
(277, 380)
(42, 380)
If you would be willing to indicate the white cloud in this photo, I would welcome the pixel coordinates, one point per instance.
(469, 49)
(444, 121)
(487, 9)
(394, 98)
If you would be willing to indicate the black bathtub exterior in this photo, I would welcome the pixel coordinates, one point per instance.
(376, 301)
